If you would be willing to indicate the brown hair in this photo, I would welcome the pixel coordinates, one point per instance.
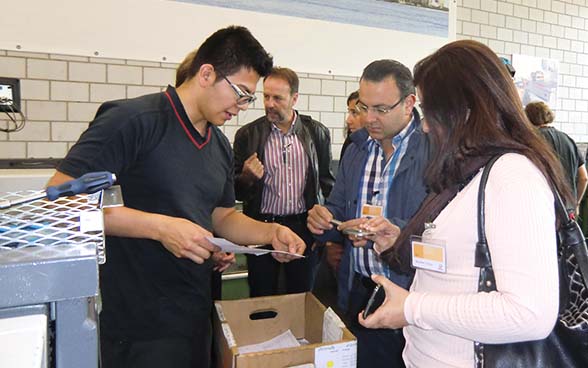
(539, 113)
(473, 111)
(287, 75)
(183, 71)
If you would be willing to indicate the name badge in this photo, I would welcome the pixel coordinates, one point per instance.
(428, 255)
(369, 210)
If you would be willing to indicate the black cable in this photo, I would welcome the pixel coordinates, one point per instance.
(18, 126)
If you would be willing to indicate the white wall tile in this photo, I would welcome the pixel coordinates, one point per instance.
(46, 69)
(504, 34)
(87, 72)
(46, 149)
(544, 4)
(471, 29)
(159, 76)
(32, 131)
(521, 11)
(479, 17)
(499, 20)
(310, 86)
(69, 91)
(46, 110)
(67, 132)
(12, 67)
(505, 8)
(464, 14)
(332, 119)
(106, 92)
(80, 111)
(320, 103)
(13, 150)
(558, 7)
(333, 87)
(572, 9)
(564, 20)
(31, 89)
(489, 5)
(124, 74)
(136, 91)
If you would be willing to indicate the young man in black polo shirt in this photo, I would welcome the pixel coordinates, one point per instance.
(175, 168)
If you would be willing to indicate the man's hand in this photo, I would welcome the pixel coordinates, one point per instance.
(391, 313)
(222, 260)
(286, 240)
(319, 219)
(185, 239)
(252, 168)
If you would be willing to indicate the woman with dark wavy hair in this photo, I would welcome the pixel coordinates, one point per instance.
(473, 112)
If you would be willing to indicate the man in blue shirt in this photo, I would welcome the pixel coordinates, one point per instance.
(381, 173)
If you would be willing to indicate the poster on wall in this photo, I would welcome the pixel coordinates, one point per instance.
(429, 17)
(536, 79)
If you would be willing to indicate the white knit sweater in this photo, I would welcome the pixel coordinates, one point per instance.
(446, 313)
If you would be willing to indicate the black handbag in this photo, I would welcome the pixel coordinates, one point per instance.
(567, 344)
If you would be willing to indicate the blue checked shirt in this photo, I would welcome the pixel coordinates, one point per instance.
(377, 180)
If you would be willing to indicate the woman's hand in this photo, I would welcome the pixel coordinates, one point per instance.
(391, 313)
(358, 241)
(386, 232)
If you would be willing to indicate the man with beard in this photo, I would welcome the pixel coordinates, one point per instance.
(282, 170)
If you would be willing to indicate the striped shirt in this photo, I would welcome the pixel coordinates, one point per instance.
(375, 184)
(286, 168)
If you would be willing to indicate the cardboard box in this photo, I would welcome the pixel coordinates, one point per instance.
(302, 313)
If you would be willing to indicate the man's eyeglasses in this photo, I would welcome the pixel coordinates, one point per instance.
(380, 109)
(243, 98)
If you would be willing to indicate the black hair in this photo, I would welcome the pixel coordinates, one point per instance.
(352, 97)
(228, 50)
(379, 70)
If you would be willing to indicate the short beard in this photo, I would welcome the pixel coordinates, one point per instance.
(274, 112)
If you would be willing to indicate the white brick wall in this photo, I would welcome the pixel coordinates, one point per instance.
(61, 93)
(546, 28)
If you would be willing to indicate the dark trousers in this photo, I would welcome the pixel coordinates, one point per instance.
(264, 271)
(160, 353)
(376, 348)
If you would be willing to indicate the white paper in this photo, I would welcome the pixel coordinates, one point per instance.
(308, 365)
(332, 326)
(91, 221)
(343, 355)
(282, 341)
(230, 247)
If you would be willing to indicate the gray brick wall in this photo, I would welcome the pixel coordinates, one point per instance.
(60, 93)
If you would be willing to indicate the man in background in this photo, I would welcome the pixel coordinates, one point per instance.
(281, 170)
(564, 147)
(175, 169)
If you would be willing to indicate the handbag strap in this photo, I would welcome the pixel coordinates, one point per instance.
(570, 236)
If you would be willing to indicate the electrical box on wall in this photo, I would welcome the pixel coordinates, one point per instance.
(9, 94)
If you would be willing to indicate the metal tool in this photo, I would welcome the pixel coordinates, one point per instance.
(88, 183)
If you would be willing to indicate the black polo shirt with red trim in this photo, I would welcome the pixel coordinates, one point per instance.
(164, 166)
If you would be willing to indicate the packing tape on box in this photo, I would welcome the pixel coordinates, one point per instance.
(228, 335)
(219, 312)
